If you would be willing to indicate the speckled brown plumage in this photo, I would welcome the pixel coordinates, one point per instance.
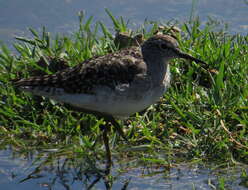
(109, 70)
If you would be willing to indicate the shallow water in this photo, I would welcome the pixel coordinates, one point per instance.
(28, 171)
(60, 16)
(50, 172)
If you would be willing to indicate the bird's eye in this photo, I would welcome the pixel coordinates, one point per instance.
(163, 46)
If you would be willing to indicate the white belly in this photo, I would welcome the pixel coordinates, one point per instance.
(115, 104)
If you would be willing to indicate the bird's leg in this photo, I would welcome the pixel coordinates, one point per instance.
(117, 126)
(108, 118)
(107, 148)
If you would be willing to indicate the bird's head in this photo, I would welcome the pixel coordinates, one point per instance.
(165, 47)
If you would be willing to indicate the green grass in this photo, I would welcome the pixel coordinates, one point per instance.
(203, 116)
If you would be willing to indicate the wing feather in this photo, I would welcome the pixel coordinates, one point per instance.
(109, 70)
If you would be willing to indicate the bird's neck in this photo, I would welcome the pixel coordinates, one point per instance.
(157, 70)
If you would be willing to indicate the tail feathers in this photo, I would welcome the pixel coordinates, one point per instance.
(41, 85)
(36, 81)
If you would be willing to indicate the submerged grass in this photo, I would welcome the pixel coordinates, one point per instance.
(202, 117)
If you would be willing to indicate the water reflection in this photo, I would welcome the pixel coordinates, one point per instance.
(54, 169)
(66, 173)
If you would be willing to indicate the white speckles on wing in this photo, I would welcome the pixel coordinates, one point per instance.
(122, 87)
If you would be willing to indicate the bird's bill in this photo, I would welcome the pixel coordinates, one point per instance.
(189, 57)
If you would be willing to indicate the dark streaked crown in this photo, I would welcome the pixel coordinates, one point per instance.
(161, 40)
(163, 46)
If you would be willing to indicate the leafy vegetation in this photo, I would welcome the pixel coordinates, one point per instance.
(202, 117)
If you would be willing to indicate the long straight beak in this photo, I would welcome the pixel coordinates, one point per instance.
(189, 57)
